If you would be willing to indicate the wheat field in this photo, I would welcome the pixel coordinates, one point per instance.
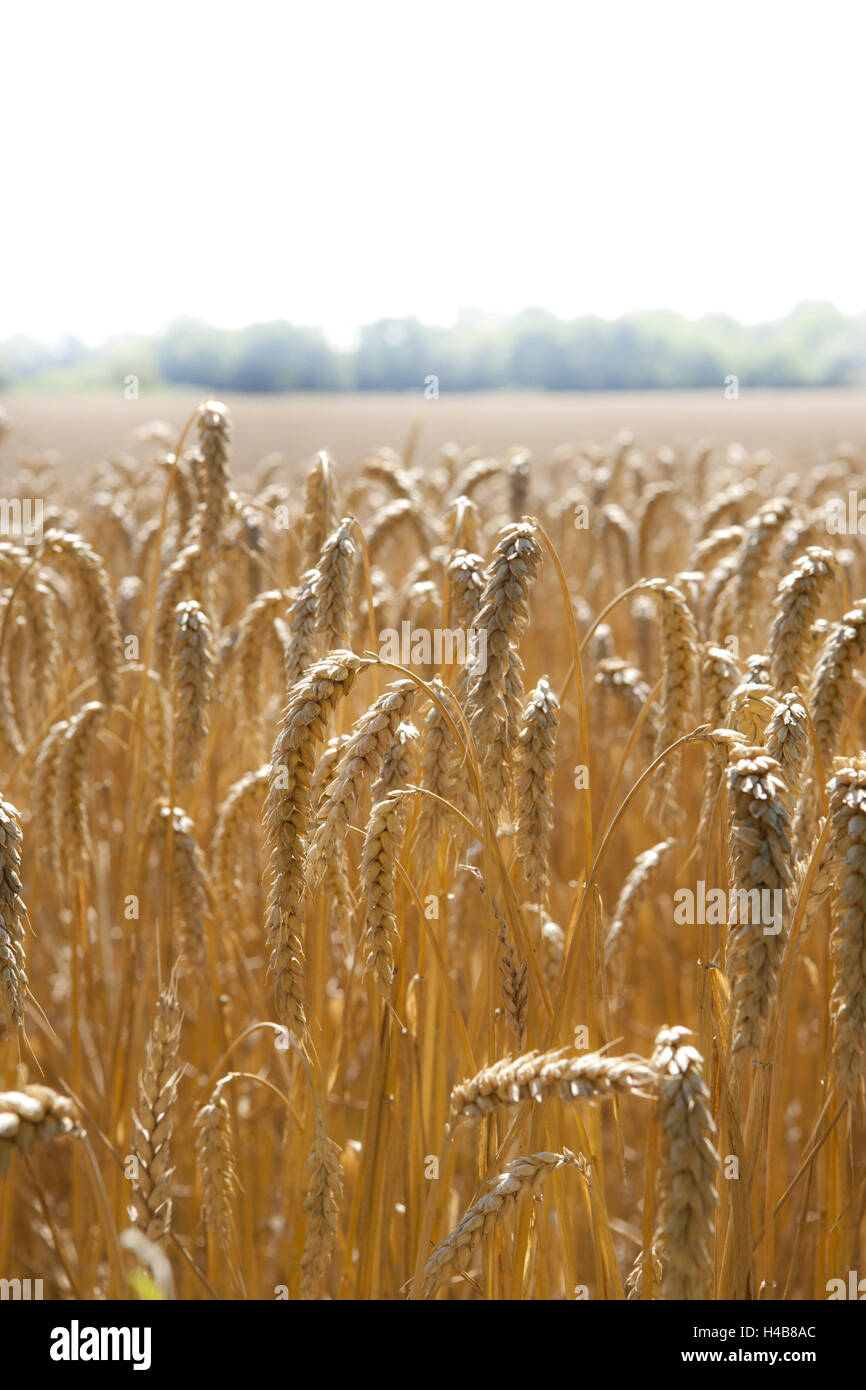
(432, 880)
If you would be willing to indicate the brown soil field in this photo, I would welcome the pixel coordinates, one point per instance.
(797, 423)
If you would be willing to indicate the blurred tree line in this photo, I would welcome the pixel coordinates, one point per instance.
(814, 345)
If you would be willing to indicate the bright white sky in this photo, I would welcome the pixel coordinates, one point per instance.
(332, 163)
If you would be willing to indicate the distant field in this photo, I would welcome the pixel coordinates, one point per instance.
(797, 422)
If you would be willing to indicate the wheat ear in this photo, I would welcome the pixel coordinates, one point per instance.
(520, 1175)
(192, 684)
(153, 1119)
(625, 915)
(320, 507)
(514, 986)
(241, 809)
(687, 1169)
(321, 1206)
(88, 572)
(844, 647)
(256, 630)
(215, 1161)
(400, 763)
(360, 763)
(543, 1076)
(13, 915)
(437, 777)
(33, 1115)
(846, 855)
(378, 871)
(534, 787)
(796, 603)
(303, 727)
(679, 640)
(787, 738)
(333, 587)
(760, 853)
(303, 644)
(762, 530)
(190, 878)
(72, 787)
(503, 613)
(183, 578)
(214, 432)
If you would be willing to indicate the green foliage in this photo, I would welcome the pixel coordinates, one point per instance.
(814, 345)
(144, 1287)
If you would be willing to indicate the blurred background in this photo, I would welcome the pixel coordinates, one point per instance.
(435, 201)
